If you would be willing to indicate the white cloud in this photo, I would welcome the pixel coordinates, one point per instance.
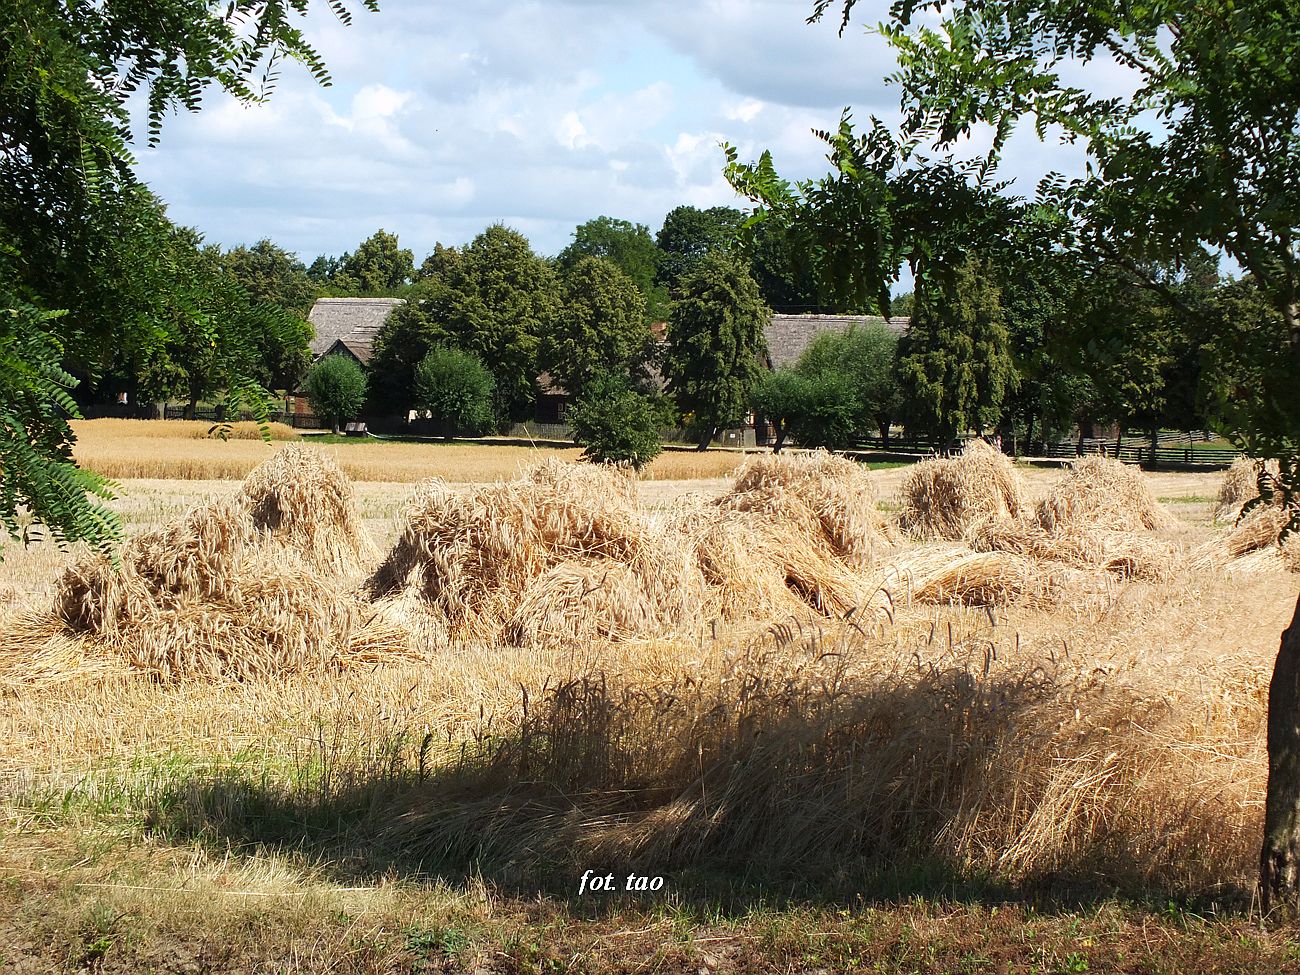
(445, 118)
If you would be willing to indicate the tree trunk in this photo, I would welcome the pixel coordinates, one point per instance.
(1029, 435)
(1279, 860)
(883, 423)
(780, 429)
(705, 439)
(1155, 443)
(334, 427)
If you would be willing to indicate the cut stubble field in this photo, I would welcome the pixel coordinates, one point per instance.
(1054, 784)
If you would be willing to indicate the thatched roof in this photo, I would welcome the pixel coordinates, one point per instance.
(355, 321)
(360, 351)
(789, 335)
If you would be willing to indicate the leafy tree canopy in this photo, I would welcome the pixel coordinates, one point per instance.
(615, 424)
(600, 327)
(377, 267)
(336, 388)
(273, 275)
(689, 233)
(629, 246)
(716, 343)
(455, 388)
(83, 252)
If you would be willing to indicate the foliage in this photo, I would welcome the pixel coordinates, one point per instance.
(600, 327)
(438, 263)
(377, 267)
(716, 342)
(77, 233)
(36, 466)
(817, 410)
(336, 388)
(954, 363)
(864, 359)
(497, 303)
(779, 397)
(689, 233)
(629, 246)
(272, 275)
(408, 334)
(615, 424)
(456, 389)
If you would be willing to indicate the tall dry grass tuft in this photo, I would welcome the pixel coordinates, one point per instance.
(1241, 484)
(1100, 492)
(943, 498)
(823, 756)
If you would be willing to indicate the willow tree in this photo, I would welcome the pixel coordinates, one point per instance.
(1201, 153)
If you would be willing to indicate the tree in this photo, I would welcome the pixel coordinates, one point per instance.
(615, 424)
(955, 363)
(456, 390)
(865, 358)
(498, 303)
(336, 388)
(629, 246)
(1218, 169)
(377, 267)
(82, 257)
(439, 263)
(272, 275)
(600, 327)
(408, 334)
(780, 397)
(689, 233)
(716, 341)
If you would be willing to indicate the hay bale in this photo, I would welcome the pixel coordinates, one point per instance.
(827, 498)
(574, 602)
(1098, 492)
(952, 575)
(472, 556)
(1240, 485)
(302, 501)
(946, 497)
(1082, 548)
(756, 566)
(236, 588)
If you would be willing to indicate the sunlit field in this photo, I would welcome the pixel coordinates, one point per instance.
(961, 756)
(182, 450)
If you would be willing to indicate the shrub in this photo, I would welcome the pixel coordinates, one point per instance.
(336, 387)
(616, 425)
(456, 389)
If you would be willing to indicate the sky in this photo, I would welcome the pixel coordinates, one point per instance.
(446, 117)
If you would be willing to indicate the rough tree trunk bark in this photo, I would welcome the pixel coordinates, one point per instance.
(705, 439)
(1279, 860)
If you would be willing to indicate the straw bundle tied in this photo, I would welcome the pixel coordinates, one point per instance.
(943, 498)
(952, 575)
(1099, 492)
(1240, 485)
(476, 557)
(240, 587)
(1123, 553)
(828, 498)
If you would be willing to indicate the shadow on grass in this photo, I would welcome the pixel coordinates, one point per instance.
(781, 781)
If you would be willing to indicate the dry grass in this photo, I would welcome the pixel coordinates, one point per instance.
(1100, 492)
(944, 498)
(178, 450)
(1241, 484)
(238, 587)
(1125, 553)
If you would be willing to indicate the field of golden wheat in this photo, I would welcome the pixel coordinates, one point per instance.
(383, 720)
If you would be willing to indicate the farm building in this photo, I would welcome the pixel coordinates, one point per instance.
(788, 335)
(349, 325)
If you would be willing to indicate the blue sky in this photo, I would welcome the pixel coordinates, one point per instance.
(447, 117)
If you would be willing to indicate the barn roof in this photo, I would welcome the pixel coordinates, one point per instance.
(788, 335)
(354, 321)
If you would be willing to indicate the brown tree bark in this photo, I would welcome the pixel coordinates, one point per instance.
(1279, 860)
